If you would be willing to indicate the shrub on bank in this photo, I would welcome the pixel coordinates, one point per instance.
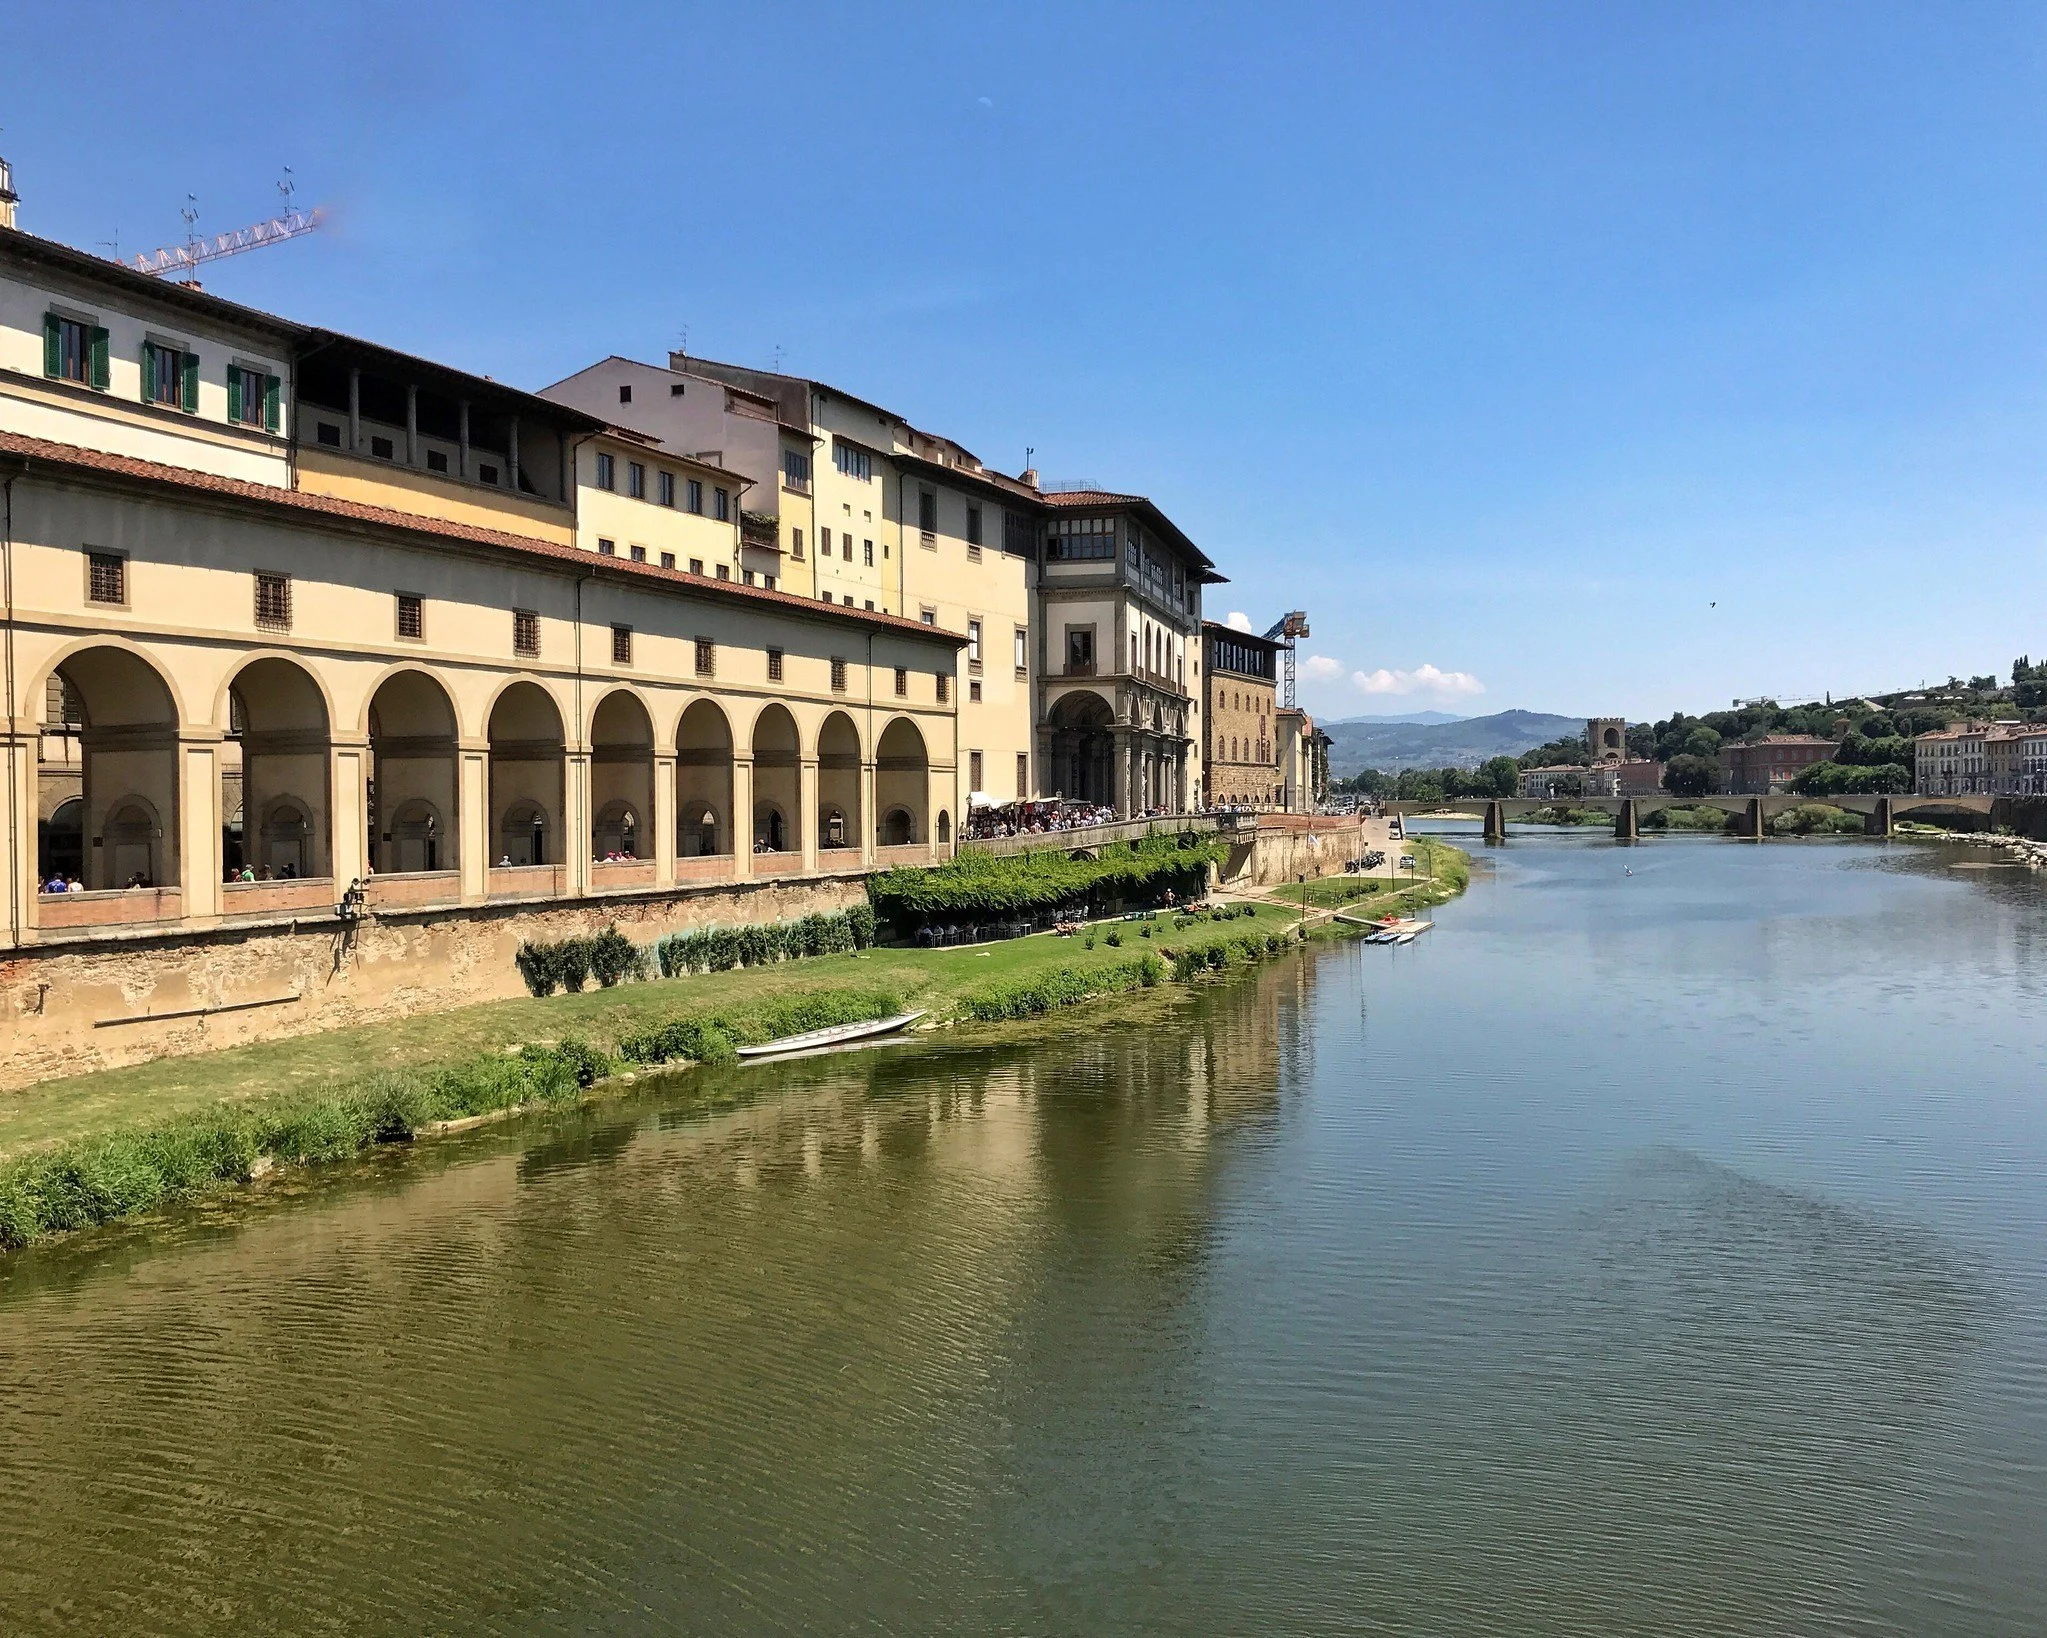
(1061, 987)
(713, 1038)
(975, 886)
(720, 949)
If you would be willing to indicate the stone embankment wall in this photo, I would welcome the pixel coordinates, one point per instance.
(1290, 845)
(98, 1004)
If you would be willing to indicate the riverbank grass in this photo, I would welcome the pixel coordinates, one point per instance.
(98, 1147)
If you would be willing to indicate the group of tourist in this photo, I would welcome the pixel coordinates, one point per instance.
(260, 873)
(1036, 818)
(59, 883)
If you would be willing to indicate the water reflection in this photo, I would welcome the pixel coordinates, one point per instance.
(1654, 1253)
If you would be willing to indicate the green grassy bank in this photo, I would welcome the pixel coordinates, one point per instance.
(99, 1147)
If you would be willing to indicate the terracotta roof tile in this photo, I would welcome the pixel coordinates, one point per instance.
(77, 457)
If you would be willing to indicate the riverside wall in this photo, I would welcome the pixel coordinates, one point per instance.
(103, 1002)
(1287, 846)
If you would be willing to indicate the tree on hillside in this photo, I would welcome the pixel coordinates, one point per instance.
(1500, 777)
(1686, 775)
(1570, 749)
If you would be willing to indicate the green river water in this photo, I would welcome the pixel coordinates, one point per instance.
(1657, 1253)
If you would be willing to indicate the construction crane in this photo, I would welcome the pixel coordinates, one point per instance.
(1291, 628)
(184, 259)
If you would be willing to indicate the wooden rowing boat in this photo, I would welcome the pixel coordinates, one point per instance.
(832, 1035)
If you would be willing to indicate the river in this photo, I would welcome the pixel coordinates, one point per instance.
(1658, 1252)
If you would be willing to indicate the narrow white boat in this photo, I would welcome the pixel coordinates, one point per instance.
(832, 1035)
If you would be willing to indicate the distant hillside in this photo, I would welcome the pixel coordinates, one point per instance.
(1357, 745)
(1412, 716)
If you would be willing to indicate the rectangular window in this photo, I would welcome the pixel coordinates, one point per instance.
(330, 435)
(606, 548)
(381, 448)
(273, 601)
(974, 643)
(928, 615)
(902, 682)
(838, 674)
(974, 691)
(1023, 775)
(74, 350)
(774, 665)
(796, 470)
(667, 560)
(694, 490)
(639, 554)
(944, 688)
(696, 565)
(621, 645)
(436, 460)
(163, 376)
(796, 544)
(867, 552)
(1080, 651)
(1020, 640)
(106, 578)
(487, 474)
(927, 515)
(525, 632)
(721, 507)
(636, 480)
(707, 657)
(665, 489)
(852, 460)
(974, 771)
(824, 541)
(746, 575)
(1074, 539)
(605, 475)
(252, 398)
(768, 581)
(973, 525)
(411, 616)
(724, 573)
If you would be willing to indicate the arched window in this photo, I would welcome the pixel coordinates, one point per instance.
(944, 828)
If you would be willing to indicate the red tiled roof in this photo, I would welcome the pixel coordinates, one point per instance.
(1088, 497)
(77, 457)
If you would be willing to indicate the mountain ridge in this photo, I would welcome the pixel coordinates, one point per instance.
(1461, 743)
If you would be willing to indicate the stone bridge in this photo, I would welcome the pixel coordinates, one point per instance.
(1879, 813)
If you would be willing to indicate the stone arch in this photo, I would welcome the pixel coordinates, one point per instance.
(703, 781)
(838, 783)
(622, 777)
(120, 756)
(527, 764)
(1083, 747)
(902, 783)
(775, 782)
(412, 811)
(277, 757)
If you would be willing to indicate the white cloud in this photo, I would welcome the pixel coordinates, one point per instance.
(1239, 621)
(1321, 668)
(1424, 679)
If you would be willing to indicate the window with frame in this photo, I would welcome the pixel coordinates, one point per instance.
(721, 505)
(973, 525)
(667, 560)
(1080, 651)
(724, 572)
(273, 601)
(621, 645)
(796, 470)
(696, 565)
(75, 350)
(867, 552)
(852, 460)
(694, 492)
(664, 488)
(411, 616)
(170, 376)
(838, 673)
(927, 515)
(902, 682)
(974, 691)
(636, 480)
(607, 474)
(106, 578)
(437, 460)
(824, 542)
(1023, 775)
(928, 615)
(796, 544)
(526, 633)
(774, 665)
(707, 657)
(1077, 539)
(944, 687)
(768, 581)
(326, 432)
(974, 771)
(486, 473)
(1020, 644)
(974, 644)
(606, 548)
(639, 553)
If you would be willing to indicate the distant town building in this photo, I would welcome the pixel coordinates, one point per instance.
(2015, 758)
(1606, 741)
(1238, 682)
(1952, 761)
(1303, 760)
(1769, 765)
(1558, 779)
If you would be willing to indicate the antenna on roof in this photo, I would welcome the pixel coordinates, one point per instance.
(778, 358)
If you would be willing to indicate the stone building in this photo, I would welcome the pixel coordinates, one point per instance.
(1768, 766)
(1239, 691)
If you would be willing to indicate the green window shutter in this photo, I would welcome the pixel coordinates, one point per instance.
(53, 345)
(270, 386)
(99, 358)
(234, 393)
(148, 373)
(191, 387)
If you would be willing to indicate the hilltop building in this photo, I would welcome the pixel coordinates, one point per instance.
(1768, 766)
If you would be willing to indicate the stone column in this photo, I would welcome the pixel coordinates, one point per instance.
(19, 749)
(472, 818)
(940, 787)
(1495, 822)
(869, 819)
(742, 816)
(348, 775)
(664, 821)
(577, 838)
(199, 862)
(1121, 788)
(806, 813)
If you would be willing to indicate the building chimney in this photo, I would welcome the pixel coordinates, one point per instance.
(1030, 476)
(8, 197)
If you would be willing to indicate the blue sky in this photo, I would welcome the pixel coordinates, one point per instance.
(1578, 358)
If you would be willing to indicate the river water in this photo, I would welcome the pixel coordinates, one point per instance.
(1655, 1253)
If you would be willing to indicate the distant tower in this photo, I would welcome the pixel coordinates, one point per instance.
(1607, 739)
(8, 198)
